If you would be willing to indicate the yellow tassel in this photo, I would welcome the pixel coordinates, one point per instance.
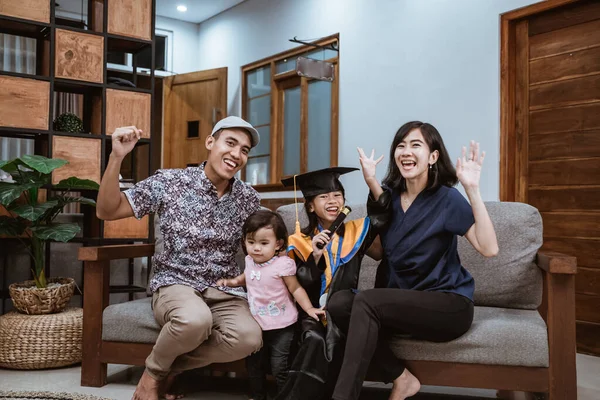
(296, 203)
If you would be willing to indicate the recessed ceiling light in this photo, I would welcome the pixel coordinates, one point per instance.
(181, 8)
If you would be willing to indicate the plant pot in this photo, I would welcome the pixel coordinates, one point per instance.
(29, 299)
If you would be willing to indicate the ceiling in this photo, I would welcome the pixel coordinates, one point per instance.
(197, 10)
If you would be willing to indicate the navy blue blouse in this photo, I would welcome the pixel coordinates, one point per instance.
(420, 244)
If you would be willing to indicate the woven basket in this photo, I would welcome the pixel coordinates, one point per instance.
(41, 341)
(30, 300)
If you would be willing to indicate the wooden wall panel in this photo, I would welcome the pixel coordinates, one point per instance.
(35, 10)
(562, 198)
(577, 13)
(572, 224)
(567, 119)
(79, 56)
(571, 172)
(573, 38)
(126, 109)
(127, 228)
(588, 338)
(521, 110)
(556, 154)
(585, 249)
(587, 308)
(83, 155)
(564, 66)
(24, 103)
(587, 281)
(122, 14)
(564, 145)
(563, 93)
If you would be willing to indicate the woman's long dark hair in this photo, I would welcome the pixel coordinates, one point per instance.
(313, 220)
(441, 173)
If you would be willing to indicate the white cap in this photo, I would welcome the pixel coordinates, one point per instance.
(237, 122)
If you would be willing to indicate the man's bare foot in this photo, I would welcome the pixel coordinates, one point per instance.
(147, 388)
(405, 385)
(168, 386)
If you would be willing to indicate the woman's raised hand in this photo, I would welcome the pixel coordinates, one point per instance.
(368, 164)
(468, 167)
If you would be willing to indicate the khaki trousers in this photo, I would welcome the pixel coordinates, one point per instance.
(200, 328)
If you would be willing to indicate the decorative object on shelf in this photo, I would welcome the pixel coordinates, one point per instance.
(41, 341)
(120, 82)
(68, 122)
(31, 221)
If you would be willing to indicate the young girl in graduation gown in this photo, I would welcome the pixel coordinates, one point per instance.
(426, 292)
(330, 278)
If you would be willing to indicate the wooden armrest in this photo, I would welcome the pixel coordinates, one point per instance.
(557, 263)
(104, 253)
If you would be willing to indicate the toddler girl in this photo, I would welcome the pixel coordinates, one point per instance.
(271, 282)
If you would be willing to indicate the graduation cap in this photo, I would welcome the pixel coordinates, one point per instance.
(315, 183)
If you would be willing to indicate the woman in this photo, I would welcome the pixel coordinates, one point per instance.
(328, 269)
(426, 293)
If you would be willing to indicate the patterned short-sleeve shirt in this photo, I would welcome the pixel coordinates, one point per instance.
(202, 233)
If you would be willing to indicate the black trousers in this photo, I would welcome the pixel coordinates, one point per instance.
(276, 352)
(312, 374)
(379, 313)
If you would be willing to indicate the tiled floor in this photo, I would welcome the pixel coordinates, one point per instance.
(122, 381)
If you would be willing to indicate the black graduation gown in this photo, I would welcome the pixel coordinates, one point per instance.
(315, 367)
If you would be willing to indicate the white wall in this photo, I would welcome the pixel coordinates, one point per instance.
(185, 43)
(400, 60)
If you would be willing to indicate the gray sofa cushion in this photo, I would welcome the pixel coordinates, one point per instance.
(511, 279)
(498, 336)
(131, 322)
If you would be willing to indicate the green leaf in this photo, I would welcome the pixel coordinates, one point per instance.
(74, 183)
(11, 226)
(10, 166)
(82, 200)
(43, 164)
(9, 192)
(33, 213)
(58, 232)
(32, 177)
(64, 200)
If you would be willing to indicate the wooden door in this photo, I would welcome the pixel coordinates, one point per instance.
(193, 104)
(551, 148)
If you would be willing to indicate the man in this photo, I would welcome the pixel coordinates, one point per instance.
(201, 212)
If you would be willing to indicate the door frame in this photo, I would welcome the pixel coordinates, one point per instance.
(514, 110)
(218, 73)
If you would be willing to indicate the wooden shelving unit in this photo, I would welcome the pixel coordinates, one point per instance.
(71, 58)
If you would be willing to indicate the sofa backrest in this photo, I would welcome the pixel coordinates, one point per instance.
(510, 280)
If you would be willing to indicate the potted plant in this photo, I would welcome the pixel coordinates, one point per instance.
(32, 222)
